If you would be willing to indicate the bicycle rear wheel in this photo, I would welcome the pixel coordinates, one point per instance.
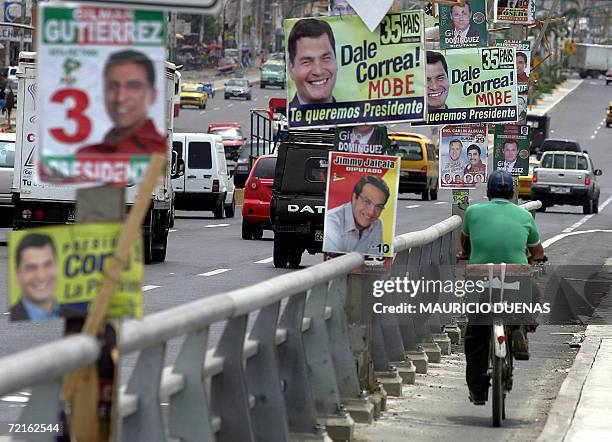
(498, 402)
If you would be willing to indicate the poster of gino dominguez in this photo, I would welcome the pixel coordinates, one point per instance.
(343, 74)
(514, 11)
(471, 85)
(361, 202)
(101, 93)
(463, 26)
(511, 149)
(57, 271)
(463, 156)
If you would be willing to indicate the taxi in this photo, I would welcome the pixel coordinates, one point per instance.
(193, 94)
(525, 181)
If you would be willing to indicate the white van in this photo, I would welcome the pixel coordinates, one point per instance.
(7, 161)
(206, 184)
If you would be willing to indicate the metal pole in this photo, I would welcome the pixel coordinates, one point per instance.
(240, 25)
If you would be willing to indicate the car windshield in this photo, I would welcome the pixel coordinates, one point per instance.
(273, 67)
(192, 88)
(409, 150)
(265, 168)
(242, 83)
(7, 153)
(228, 133)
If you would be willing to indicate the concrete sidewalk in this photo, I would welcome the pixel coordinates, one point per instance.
(548, 101)
(583, 407)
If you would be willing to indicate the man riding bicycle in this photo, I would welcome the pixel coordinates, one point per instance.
(496, 231)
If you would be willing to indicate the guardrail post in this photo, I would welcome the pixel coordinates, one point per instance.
(299, 399)
(355, 402)
(43, 407)
(321, 369)
(144, 383)
(228, 392)
(432, 273)
(411, 332)
(269, 415)
(189, 408)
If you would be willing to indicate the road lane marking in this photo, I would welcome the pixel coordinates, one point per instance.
(14, 399)
(585, 218)
(172, 230)
(217, 108)
(413, 206)
(6, 313)
(440, 202)
(592, 136)
(560, 236)
(265, 261)
(214, 272)
(202, 112)
(230, 105)
(217, 225)
(146, 288)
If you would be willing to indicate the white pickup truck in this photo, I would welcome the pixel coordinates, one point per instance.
(566, 178)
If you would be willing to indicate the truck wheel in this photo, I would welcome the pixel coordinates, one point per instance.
(587, 208)
(257, 232)
(159, 254)
(281, 253)
(230, 209)
(247, 230)
(596, 206)
(295, 257)
(147, 244)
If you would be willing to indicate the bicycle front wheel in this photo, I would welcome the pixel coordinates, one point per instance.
(498, 402)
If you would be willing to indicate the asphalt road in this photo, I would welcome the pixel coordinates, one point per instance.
(208, 256)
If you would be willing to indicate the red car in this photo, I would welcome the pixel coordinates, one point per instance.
(257, 197)
(232, 138)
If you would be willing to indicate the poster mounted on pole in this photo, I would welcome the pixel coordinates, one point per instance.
(520, 12)
(101, 115)
(341, 74)
(523, 71)
(463, 26)
(463, 156)
(471, 85)
(511, 149)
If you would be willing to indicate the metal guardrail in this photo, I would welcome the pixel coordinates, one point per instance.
(288, 376)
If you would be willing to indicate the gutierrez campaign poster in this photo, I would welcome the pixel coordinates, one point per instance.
(101, 113)
(56, 271)
(511, 151)
(463, 26)
(340, 74)
(362, 139)
(361, 202)
(471, 85)
(463, 156)
(514, 11)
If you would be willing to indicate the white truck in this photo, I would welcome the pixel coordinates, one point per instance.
(41, 204)
(591, 60)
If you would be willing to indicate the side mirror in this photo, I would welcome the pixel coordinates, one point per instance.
(597, 172)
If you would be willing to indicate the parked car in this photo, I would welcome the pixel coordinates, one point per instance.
(193, 94)
(227, 65)
(7, 160)
(567, 178)
(257, 197)
(525, 181)
(232, 136)
(238, 87)
(206, 184)
(419, 164)
(272, 74)
(551, 144)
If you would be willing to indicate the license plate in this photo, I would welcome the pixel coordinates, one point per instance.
(319, 235)
(72, 214)
(555, 189)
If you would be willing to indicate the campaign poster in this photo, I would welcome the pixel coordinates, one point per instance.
(511, 149)
(523, 70)
(361, 203)
(347, 75)
(514, 11)
(463, 26)
(463, 156)
(101, 114)
(57, 271)
(471, 85)
(370, 139)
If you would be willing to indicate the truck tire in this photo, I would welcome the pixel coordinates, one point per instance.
(587, 207)
(247, 230)
(596, 205)
(281, 253)
(230, 209)
(295, 257)
(147, 245)
(218, 210)
(433, 193)
(425, 195)
(159, 253)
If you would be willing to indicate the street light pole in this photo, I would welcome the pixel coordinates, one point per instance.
(240, 26)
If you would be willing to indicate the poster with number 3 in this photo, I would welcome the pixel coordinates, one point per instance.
(101, 93)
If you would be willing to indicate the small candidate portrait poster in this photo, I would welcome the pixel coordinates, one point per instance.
(463, 26)
(514, 11)
(523, 70)
(341, 74)
(101, 113)
(511, 149)
(370, 139)
(361, 202)
(463, 156)
(57, 271)
(471, 86)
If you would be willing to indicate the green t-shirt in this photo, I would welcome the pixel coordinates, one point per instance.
(499, 231)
